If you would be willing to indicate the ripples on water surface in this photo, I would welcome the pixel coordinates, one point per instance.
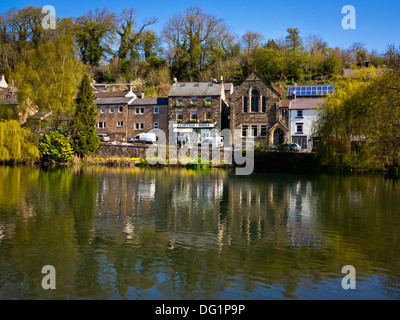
(184, 234)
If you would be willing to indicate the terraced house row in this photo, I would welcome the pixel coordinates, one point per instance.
(255, 108)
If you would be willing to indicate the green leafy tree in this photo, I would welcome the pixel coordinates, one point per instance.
(96, 32)
(359, 123)
(16, 143)
(49, 77)
(56, 147)
(83, 124)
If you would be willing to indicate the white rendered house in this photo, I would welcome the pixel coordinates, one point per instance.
(303, 112)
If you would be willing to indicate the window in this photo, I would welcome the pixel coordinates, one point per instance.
(101, 125)
(193, 101)
(179, 116)
(120, 109)
(301, 141)
(103, 109)
(244, 131)
(208, 117)
(182, 84)
(263, 132)
(254, 131)
(264, 104)
(284, 113)
(156, 125)
(299, 128)
(112, 109)
(139, 110)
(208, 100)
(120, 124)
(156, 110)
(245, 104)
(193, 116)
(179, 101)
(255, 97)
(139, 126)
(299, 114)
(196, 85)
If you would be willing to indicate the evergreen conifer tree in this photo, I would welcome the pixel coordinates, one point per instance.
(84, 137)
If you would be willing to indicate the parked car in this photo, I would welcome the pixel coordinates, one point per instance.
(245, 145)
(147, 138)
(104, 137)
(286, 147)
(209, 141)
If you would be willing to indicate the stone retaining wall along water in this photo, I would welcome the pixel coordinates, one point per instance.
(263, 161)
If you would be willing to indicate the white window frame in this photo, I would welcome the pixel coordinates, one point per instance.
(251, 131)
(102, 109)
(103, 125)
(156, 110)
(120, 124)
(247, 131)
(140, 126)
(156, 125)
(140, 110)
(119, 109)
(297, 128)
(112, 109)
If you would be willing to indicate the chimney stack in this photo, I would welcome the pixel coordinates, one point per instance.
(3, 82)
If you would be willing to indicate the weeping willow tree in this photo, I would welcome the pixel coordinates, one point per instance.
(16, 143)
(359, 124)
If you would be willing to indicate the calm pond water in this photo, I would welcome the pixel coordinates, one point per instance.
(114, 233)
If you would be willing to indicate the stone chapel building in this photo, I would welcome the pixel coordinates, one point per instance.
(256, 109)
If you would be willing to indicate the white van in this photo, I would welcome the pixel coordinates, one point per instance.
(209, 142)
(104, 137)
(148, 138)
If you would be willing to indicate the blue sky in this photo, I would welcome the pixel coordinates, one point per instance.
(378, 22)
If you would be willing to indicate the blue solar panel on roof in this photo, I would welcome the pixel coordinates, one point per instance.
(311, 90)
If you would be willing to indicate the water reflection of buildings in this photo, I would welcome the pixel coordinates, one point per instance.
(209, 210)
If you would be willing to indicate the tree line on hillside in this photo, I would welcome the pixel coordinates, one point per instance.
(49, 66)
(192, 46)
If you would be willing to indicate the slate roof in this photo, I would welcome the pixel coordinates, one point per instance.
(113, 101)
(285, 103)
(12, 102)
(149, 101)
(306, 103)
(196, 89)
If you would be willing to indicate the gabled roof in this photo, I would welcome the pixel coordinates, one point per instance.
(196, 89)
(254, 76)
(3, 82)
(114, 101)
(118, 94)
(306, 103)
(149, 101)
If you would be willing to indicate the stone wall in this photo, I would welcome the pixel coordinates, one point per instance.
(107, 151)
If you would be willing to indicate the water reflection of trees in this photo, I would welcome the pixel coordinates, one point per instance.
(186, 234)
